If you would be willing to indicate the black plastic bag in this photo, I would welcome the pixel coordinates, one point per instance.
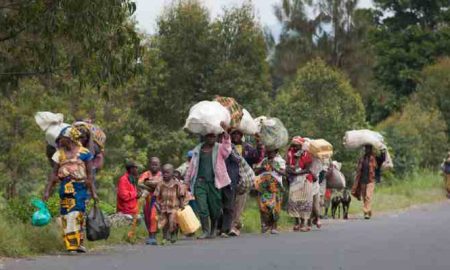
(97, 227)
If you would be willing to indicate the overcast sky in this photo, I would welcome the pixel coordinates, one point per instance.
(148, 10)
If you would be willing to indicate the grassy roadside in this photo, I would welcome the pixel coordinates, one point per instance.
(21, 239)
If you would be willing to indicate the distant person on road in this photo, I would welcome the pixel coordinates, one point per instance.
(206, 176)
(148, 181)
(446, 172)
(170, 196)
(252, 156)
(269, 184)
(367, 173)
(73, 169)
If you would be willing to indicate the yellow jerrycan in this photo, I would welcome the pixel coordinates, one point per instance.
(187, 220)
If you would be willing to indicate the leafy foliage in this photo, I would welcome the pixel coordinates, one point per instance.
(415, 35)
(320, 103)
(66, 38)
(417, 136)
(434, 88)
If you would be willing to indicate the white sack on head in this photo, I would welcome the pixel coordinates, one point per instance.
(52, 124)
(357, 138)
(205, 118)
(46, 119)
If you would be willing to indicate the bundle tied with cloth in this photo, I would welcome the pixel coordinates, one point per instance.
(96, 133)
(355, 139)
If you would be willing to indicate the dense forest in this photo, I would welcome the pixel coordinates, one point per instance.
(331, 70)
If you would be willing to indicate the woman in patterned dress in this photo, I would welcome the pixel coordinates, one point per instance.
(73, 169)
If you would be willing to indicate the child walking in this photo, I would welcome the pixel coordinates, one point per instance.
(269, 185)
(170, 197)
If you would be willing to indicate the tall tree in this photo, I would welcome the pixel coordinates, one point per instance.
(195, 58)
(410, 35)
(240, 69)
(183, 56)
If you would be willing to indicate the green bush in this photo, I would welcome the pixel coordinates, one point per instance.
(20, 209)
(434, 88)
(320, 103)
(417, 136)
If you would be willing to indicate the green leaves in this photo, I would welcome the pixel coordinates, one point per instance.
(320, 103)
(408, 40)
(70, 37)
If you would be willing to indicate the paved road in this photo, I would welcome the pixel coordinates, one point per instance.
(415, 239)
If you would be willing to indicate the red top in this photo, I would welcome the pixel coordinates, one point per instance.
(304, 160)
(126, 196)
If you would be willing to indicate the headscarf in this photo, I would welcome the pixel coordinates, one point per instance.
(297, 140)
(83, 127)
(71, 133)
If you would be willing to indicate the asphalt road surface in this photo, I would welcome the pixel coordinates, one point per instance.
(415, 239)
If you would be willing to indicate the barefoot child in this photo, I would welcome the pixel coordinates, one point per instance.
(170, 197)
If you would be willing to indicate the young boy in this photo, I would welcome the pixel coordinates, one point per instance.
(148, 182)
(170, 196)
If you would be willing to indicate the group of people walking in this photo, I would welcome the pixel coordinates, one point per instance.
(210, 181)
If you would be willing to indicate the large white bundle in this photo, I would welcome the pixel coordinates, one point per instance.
(335, 178)
(52, 124)
(248, 125)
(205, 118)
(46, 119)
(356, 138)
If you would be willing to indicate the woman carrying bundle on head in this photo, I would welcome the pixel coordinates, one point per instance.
(73, 169)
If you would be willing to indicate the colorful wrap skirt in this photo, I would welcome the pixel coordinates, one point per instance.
(73, 196)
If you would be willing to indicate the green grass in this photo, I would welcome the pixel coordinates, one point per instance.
(19, 239)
